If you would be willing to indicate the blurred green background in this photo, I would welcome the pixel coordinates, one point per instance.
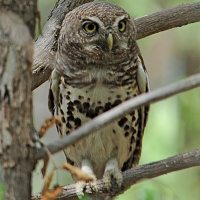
(174, 124)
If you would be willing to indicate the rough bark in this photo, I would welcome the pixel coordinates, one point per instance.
(25, 9)
(167, 19)
(16, 121)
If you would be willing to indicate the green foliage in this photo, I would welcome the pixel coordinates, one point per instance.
(2, 191)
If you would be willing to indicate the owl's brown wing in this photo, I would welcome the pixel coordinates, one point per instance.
(143, 85)
(53, 91)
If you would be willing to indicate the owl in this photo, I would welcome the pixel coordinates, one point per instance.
(98, 66)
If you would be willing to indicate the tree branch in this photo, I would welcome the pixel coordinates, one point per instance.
(135, 175)
(119, 111)
(167, 19)
(45, 46)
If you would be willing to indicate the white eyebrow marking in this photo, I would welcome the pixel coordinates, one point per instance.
(119, 19)
(97, 20)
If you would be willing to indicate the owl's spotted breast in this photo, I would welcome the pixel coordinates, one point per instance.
(77, 106)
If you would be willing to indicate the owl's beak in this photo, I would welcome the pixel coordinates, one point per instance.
(110, 41)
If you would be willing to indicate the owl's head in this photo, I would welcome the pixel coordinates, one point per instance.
(97, 32)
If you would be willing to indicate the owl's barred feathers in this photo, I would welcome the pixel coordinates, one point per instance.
(97, 9)
(91, 78)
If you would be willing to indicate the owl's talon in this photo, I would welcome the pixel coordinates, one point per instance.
(80, 186)
(107, 182)
(115, 173)
(93, 185)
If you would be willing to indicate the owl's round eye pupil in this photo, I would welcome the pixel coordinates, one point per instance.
(122, 26)
(90, 27)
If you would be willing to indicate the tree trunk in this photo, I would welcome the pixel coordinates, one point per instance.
(16, 51)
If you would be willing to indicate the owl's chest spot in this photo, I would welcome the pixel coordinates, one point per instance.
(89, 102)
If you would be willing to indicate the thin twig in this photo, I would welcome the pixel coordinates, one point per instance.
(136, 174)
(45, 46)
(119, 111)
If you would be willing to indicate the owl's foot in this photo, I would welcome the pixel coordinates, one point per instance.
(81, 186)
(93, 185)
(112, 170)
(115, 173)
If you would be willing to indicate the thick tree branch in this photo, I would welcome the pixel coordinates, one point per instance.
(119, 111)
(137, 174)
(167, 19)
(45, 46)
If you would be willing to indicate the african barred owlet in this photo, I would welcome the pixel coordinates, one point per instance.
(98, 66)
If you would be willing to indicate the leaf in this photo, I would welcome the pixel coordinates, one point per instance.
(44, 168)
(47, 182)
(80, 174)
(52, 194)
(48, 123)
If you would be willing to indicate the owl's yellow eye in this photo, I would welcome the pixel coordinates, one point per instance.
(90, 27)
(122, 26)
